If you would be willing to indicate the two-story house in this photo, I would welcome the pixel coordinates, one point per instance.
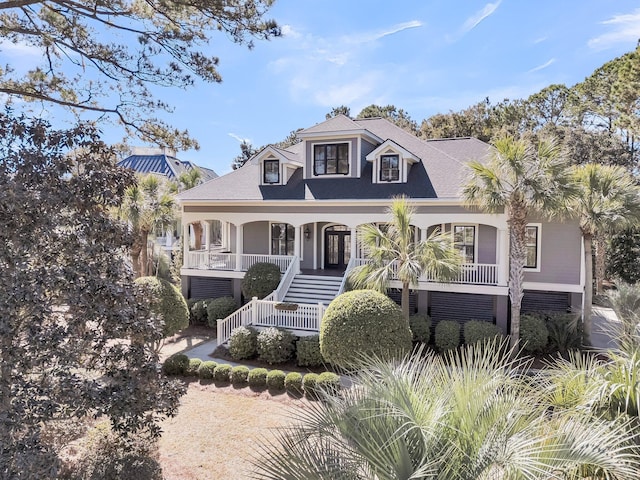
(301, 207)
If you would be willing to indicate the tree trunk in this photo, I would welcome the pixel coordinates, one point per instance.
(144, 253)
(405, 300)
(588, 289)
(601, 255)
(136, 249)
(517, 255)
(197, 233)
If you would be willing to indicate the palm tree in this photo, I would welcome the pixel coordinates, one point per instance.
(472, 415)
(393, 251)
(520, 179)
(607, 200)
(147, 206)
(189, 179)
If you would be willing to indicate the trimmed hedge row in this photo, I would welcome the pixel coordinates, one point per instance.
(207, 311)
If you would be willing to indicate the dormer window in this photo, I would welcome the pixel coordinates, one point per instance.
(331, 159)
(271, 171)
(389, 168)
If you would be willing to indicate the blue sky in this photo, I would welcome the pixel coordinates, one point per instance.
(423, 56)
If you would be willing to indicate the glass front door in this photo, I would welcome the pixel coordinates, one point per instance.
(337, 240)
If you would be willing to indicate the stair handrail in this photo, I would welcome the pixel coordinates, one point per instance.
(350, 266)
(241, 316)
(285, 281)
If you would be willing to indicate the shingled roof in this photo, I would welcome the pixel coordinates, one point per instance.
(439, 174)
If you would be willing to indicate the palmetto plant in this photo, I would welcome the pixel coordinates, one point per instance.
(520, 180)
(392, 250)
(470, 416)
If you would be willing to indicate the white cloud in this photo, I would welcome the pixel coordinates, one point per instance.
(19, 49)
(473, 21)
(540, 40)
(624, 29)
(288, 31)
(543, 66)
(239, 138)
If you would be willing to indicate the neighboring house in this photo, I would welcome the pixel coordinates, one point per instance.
(301, 208)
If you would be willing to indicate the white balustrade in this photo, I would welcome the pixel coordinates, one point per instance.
(213, 260)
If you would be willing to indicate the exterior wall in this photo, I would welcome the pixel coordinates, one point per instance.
(560, 255)
(307, 248)
(366, 149)
(232, 239)
(354, 161)
(342, 208)
(487, 237)
(256, 238)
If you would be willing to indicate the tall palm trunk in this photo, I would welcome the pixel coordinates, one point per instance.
(517, 255)
(144, 253)
(197, 233)
(601, 255)
(405, 300)
(136, 249)
(588, 288)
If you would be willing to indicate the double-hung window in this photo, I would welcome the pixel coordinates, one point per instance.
(464, 239)
(532, 243)
(271, 171)
(282, 239)
(331, 159)
(389, 168)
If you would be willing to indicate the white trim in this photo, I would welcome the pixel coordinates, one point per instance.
(538, 248)
(476, 232)
(340, 134)
(552, 287)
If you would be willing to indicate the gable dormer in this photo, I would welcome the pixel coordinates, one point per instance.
(391, 163)
(276, 166)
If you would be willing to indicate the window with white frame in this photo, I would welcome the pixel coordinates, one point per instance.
(331, 159)
(464, 240)
(532, 247)
(389, 168)
(271, 171)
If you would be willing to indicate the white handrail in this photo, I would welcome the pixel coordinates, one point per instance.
(242, 316)
(285, 282)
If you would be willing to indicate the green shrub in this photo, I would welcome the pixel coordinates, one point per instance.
(534, 335)
(206, 369)
(363, 323)
(167, 304)
(308, 351)
(257, 378)
(221, 373)
(420, 326)
(447, 335)
(239, 375)
(565, 332)
(176, 364)
(309, 385)
(260, 280)
(220, 308)
(477, 331)
(243, 343)
(198, 311)
(293, 383)
(275, 345)
(275, 380)
(328, 382)
(192, 369)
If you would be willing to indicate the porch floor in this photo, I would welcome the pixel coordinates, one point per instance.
(322, 273)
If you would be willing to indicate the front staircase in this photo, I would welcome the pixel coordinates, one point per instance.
(313, 289)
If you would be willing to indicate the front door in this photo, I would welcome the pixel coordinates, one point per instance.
(337, 241)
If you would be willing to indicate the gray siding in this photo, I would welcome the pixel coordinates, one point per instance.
(256, 238)
(560, 256)
(307, 248)
(534, 301)
(367, 148)
(487, 240)
(204, 287)
(311, 209)
(354, 161)
(460, 307)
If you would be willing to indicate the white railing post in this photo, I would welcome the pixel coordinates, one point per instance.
(239, 246)
(254, 305)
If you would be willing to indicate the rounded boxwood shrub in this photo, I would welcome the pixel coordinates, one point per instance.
(220, 308)
(293, 383)
(206, 369)
(309, 384)
(308, 351)
(198, 311)
(239, 375)
(328, 382)
(534, 335)
(176, 364)
(257, 378)
(275, 345)
(447, 335)
(192, 369)
(260, 280)
(275, 380)
(363, 323)
(477, 331)
(420, 326)
(243, 343)
(222, 372)
(166, 303)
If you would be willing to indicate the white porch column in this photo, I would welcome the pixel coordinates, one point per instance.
(239, 246)
(207, 234)
(224, 234)
(354, 242)
(185, 245)
(502, 246)
(297, 243)
(423, 234)
(314, 242)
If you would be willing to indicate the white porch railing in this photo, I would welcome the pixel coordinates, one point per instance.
(263, 313)
(470, 273)
(285, 282)
(211, 260)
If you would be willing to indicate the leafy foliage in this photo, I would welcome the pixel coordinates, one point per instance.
(308, 352)
(239, 375)
(257, 378)
(220, 308)
(243, 343)
(176, 364)
(206, 369)
(476, 331)
(420, 326)
(447, 335)
(198, 311)
(69, 307)
(293, 382)
(624, 256)
(222, 373)
(167, 304)
(193, 368)
(275, 345)
(328, 383)
(275, 380)
(260, 280)
(534, 333)
(362, 323)
(309, 384)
